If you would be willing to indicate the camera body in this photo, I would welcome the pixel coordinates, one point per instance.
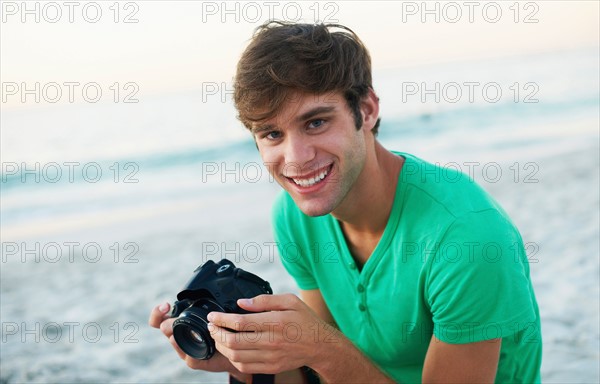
(213, 287)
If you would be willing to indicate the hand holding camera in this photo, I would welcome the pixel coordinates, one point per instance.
(214, 287)
(285, 333)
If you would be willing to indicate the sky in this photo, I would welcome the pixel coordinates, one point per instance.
(180, 45)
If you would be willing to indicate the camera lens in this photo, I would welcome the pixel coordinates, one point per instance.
(196, 336)
(191, 332)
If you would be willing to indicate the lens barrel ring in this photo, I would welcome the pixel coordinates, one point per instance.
(190, 331)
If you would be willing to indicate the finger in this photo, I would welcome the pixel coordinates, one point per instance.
(258, 367)
(232, 321)
(250, 322)
(159, 314)
(181, 354)
(205, 365)
(264, 303)
(166, 327)
(242, 355)
(217, 363)
(236, 340)
(235, 349)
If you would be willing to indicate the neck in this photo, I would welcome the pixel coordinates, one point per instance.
(366, 208)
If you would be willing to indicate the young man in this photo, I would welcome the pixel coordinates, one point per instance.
(404, 276)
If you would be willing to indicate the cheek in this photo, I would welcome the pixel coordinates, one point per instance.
(270, 159)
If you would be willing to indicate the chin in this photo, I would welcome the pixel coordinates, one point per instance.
(315, 213)
(312, 209)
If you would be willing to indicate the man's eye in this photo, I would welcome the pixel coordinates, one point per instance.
(316, 123)
(273, 135)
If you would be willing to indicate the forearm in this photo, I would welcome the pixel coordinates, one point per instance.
(339, 361)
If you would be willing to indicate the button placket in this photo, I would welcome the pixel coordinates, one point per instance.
(362, 306)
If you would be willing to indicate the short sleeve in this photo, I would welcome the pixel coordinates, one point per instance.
(288, 231)
(478, 285)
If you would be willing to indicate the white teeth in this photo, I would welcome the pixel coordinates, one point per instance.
(312, 181)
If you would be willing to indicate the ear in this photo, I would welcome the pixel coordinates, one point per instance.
(369, 107)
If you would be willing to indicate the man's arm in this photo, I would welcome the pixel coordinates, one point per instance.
(461, 363)
(444, 363)
(315, 301)
(287, 334)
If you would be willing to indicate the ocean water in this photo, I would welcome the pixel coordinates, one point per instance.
(120, 203)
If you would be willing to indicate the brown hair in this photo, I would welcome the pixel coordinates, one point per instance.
(284, 58)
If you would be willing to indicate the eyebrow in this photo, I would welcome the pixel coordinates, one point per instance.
(262, 128)
(305, 116)
(314, 112)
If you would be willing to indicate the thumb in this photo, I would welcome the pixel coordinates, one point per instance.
(263, 303)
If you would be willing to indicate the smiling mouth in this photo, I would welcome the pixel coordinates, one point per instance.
(313, 180)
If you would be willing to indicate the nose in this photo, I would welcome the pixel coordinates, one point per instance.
(299, 151)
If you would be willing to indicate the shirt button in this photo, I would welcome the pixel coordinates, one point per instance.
(352, 265)
(362, 307)
(360, 288)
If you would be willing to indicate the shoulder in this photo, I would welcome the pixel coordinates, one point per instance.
(444, 187)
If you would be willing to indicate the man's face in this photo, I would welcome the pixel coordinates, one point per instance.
(313, 149)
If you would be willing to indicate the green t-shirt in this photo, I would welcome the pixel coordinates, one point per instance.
(449, 263)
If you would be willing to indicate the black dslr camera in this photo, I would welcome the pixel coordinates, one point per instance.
(214, 287)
